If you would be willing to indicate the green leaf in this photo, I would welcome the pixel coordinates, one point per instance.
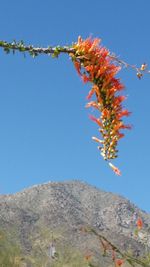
(7, 50)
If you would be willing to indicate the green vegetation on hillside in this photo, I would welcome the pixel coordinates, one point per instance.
(10, 253)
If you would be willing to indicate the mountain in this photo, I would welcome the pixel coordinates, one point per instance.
(81, 224)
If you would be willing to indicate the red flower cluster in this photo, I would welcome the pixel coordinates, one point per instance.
(94, 64)
(139, 223)
(119, 262)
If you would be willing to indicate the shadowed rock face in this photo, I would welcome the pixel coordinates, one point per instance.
(58, 210)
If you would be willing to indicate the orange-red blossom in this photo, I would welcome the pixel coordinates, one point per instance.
(119, 262)
(139, 223)
(94, 64)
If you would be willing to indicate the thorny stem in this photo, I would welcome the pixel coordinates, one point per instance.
(127, 65)
(34, 51)
(131, 260)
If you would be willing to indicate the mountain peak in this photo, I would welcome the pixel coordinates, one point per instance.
(64, 208)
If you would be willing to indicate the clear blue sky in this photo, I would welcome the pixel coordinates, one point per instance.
(45, 132)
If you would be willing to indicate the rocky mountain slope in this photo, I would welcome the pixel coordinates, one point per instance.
(69, 216)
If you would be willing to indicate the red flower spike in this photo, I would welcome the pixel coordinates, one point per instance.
(124, 112)
(139, 223)
(91, 93)
(115, 169)
(97, 140)
(92, 104)
(95, 120)
(85, 78)
(129, 127)
(77, 65)
(119, 262)
(120, 135)
(95, 65)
